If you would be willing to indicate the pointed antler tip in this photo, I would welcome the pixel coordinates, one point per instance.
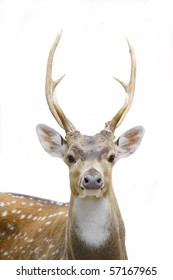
(126, 39)
(60, 32)
(57, 39)
(130, 46)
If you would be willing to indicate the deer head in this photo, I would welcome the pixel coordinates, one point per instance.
(90, 158)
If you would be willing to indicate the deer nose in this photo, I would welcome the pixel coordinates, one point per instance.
(92, 180)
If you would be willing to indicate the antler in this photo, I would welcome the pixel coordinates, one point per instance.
(129, 88)
(50, 86)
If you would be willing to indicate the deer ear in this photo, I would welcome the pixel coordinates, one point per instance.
(51, 141)
(129, 141)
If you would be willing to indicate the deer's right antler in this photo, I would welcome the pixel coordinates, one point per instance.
(50, 86)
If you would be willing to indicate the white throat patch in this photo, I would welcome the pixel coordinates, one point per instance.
(92, 220)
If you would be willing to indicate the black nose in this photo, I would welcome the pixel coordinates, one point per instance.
(92, 180)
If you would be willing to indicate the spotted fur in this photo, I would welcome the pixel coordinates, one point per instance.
(29, 227)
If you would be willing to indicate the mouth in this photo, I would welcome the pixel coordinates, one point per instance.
(86, 193)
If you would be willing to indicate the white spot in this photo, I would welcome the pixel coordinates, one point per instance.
(22, 216)
(23, 202)
(40, 209)
(92, 220)
(39, 230)
(43, 218)
(19, 211)
(5, 253)
(37, 249)
(60, 213)
(13, 202)
(48, 223)
(15, 237)
(31, 204)
(30, 240)
(35, 218)
(53, 215)
(9, 226)
(13, 211)
(2, 204)
(50, 216)
(29, 217)
(4, 213)
(51, 246)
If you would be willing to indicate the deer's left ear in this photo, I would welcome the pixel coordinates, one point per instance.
(129, 141)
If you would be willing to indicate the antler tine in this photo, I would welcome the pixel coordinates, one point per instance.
(129, 89)
(50, 86)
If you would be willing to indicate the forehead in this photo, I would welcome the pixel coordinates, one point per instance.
(91, 146)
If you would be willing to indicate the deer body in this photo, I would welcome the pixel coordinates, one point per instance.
(34, 228)
(90, 226)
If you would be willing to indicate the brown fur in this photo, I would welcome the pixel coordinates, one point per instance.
(24, 240)
(30, 237)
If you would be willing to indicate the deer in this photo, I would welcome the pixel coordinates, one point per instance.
(90, 226)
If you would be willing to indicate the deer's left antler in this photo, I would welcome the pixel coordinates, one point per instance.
(129, 88)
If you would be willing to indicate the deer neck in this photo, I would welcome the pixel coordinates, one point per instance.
(94, 229)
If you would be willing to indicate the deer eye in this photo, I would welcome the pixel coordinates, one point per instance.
(71, 159)
(111, 158)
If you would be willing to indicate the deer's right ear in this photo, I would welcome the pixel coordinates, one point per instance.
(51, 141)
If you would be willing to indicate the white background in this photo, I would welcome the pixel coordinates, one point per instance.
(92, 50)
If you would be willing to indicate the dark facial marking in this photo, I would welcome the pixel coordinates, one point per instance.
(90, 152)
(90, 147)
